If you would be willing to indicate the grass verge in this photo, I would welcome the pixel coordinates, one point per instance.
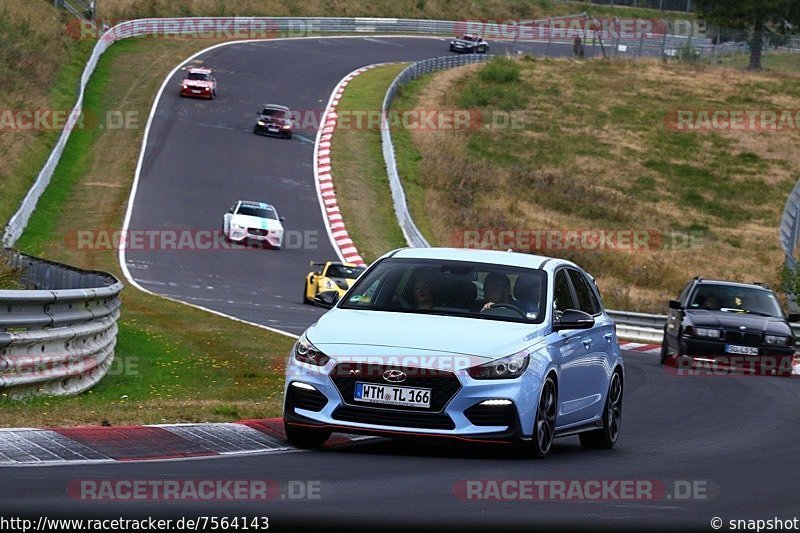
(173, 363)
(359, 173)
(593, 150)
(422, 9)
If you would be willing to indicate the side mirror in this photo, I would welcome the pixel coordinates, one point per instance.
(574, 319)
(281, 218)
(675, 304)
(794, 317)
(326, 299)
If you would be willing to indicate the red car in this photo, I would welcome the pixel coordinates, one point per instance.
(199, 83)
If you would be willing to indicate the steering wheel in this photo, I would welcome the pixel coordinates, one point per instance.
(507, 306)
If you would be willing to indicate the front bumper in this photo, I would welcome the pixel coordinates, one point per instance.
(455, 416)
(194, 92)
(712, 353)
(267, 129)
(273, 239)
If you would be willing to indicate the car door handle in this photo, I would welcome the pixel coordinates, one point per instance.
(587, 343)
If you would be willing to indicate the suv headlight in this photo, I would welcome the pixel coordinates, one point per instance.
(506, 368)
(305, 352)
(778, 340)
(703, 332)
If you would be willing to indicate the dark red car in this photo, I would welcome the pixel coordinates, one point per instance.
(199, 83)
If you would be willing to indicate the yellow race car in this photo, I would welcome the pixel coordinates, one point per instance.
(330, 276)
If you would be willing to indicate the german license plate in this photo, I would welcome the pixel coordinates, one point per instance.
(392, 395)
(744, 350)
(195, 91)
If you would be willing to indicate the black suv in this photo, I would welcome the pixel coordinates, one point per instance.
(735, 326)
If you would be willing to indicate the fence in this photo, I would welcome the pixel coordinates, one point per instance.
(57, 337)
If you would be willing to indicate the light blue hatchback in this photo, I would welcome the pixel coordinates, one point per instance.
(474, 345)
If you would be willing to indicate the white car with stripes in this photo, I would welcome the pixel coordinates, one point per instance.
(253, 221)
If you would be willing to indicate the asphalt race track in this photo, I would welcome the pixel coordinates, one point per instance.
(202, 156)
(733, 437)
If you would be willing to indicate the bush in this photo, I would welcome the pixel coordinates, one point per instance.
(500, 70)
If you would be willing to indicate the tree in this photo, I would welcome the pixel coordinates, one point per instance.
(757, 16)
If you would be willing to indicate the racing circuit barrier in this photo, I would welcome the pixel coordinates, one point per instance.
(57, 337)
(541, 31)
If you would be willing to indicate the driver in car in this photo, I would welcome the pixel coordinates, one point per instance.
(496, 290)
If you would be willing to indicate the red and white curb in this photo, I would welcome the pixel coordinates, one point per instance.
(323, 175)
(99, 444)
(640, 347)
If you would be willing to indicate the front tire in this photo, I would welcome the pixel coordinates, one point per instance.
(307, 438)
(544, 422)
(606, 438)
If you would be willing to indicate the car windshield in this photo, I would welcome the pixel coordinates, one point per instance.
(260, 211)
(734, 298)
(274, 113)
(199, 76)
(469, 38)
(452, 288)
(342, 271)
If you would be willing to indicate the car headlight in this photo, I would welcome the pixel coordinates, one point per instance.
(305, 352)
(703, 332)
(506, 368)
(329, 284)
(262, 123)
(287, 126)
(185, 86)
(234, 225)
(778, 340)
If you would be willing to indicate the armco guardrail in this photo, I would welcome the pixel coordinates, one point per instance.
(412, 234)
(57, 337)
(547, 30)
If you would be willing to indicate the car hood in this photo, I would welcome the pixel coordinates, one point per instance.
(350, 332)
(198, 83)
(463, 42)
(270, 118)
(706, 318)
(255, 222)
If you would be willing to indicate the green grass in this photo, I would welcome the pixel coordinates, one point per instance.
(772, 61)
(359, 172)
(19, 173)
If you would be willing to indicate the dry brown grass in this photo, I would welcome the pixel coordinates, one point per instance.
(432, 9)
(595, 154)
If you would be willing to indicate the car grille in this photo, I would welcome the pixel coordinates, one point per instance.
(386, 417)
(443, 384)
(311, 400)
(491, 415)
(743, 339)
(258, 231)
